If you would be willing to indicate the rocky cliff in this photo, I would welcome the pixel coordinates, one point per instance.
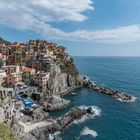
(63, 77)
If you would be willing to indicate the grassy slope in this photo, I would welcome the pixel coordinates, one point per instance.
(5, 133)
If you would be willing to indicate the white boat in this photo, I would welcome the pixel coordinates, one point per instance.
(73, 93)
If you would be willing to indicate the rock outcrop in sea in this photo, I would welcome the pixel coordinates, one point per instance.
(108, 91)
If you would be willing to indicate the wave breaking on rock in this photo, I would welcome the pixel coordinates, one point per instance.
(121, 96)
(95, 111)
(87, 131)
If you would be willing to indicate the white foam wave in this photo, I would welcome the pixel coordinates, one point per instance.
(88, 131)
(87, 77)
(95, 109)
(132, 100)
(96, 112)
(54, 136)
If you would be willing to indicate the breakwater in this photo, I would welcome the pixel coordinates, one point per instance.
(108, 91)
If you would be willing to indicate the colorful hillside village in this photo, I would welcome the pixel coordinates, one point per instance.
(26, 69)
(30, 62)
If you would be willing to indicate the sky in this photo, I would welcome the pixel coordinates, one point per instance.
(84, 27)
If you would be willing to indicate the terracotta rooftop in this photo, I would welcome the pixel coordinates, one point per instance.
(27, 69)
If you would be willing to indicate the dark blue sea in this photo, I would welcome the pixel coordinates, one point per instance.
(118, 120)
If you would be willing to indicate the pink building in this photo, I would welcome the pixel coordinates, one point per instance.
(4, 49)
(3, 57)
(41, 78)
(13, 78)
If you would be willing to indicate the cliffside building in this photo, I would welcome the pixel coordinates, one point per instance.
(11, 69)
(41, 78)
(13, 78)
(3, 75)
(28, 74)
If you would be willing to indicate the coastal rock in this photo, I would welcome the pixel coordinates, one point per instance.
(62, 81)
(58, 126)
(89, 110)
(37, 115)
(68, 118)
(108, 91)
(53, 103)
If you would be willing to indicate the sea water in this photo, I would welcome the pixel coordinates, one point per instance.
(117, 120)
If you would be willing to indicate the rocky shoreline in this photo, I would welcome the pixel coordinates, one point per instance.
(39, 125)
(57, 125)
(108, 91)
(27, 112)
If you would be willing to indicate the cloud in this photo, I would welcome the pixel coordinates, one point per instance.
(44, 10)
(124, 34)
(38, 16)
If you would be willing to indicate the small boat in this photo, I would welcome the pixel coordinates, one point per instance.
(72, 93)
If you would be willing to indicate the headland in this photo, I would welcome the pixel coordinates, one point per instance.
(34, 77)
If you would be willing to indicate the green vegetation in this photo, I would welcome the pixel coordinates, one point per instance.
(5, 133)
(69, 67)
(32, 42)
(4, 41)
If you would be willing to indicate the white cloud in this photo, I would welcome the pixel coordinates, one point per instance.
(44, 10)
(117, 35)
(38, 15)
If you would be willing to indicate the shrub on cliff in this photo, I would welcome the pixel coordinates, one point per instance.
(69, 67)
